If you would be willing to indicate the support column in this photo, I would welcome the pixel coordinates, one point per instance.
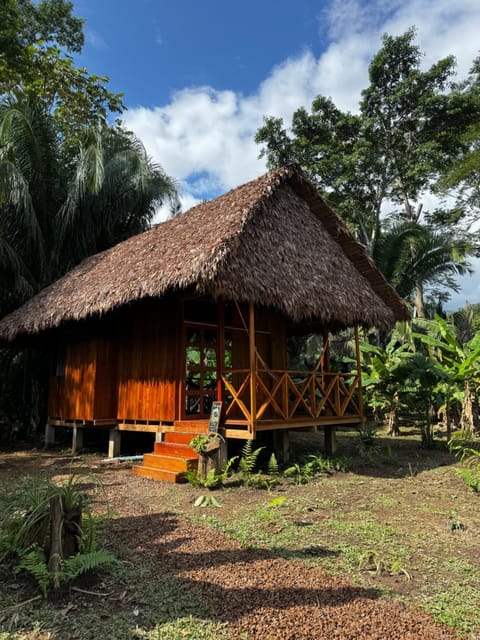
(114, 441)
(359, 373)
(220, 349)
(49, 436)
(158, 436)
(330, 440)
(77, 439)
(281, 444)
(253, 364)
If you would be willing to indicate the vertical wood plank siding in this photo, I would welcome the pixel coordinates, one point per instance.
(148, 367)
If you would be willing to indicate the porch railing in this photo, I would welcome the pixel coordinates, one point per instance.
(290, 395)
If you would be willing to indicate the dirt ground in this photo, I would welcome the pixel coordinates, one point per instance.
(256, 593)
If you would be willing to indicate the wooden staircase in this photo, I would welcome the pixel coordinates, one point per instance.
(172, 457)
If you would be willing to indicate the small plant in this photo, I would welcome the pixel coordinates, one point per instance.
(454, 524)
(471, 479)
(371, 560)
(367, 442)
(201, 442)
(302, 473)
(213, 480)
(248, 462)
(206, 501)
(276, 502)
(272, 479)
(49, 531)
(398, 569)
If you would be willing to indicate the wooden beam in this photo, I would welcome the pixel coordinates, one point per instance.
(220, 350)
(359, 372)
(114, 442)
(253, 364)
(49, 435)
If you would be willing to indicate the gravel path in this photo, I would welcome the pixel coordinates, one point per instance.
(258, 594)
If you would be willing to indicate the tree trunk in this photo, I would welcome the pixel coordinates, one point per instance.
(469, 418)
(215, 458)
(392, 422)
(419, 305)
(56, 540)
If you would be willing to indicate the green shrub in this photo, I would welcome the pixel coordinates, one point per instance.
(49, 531)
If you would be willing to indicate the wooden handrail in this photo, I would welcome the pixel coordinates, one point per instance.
(290, 394)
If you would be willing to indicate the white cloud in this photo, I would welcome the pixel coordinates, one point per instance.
(209, 133)
(205, 137)
(95, 39)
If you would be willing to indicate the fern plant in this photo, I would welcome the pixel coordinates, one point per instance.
(248, 462)
(49, 532)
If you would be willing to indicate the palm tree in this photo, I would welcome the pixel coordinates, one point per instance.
(31, 176)
(56, 207)
(113, 194)
(414, 256)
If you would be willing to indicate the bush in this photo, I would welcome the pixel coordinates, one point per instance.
(49, 531)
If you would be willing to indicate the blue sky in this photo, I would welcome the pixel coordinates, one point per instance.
(199, 75)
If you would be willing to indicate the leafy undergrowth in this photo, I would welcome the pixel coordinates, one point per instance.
(400, 521)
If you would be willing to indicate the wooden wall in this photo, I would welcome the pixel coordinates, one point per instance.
(72, 395)
(134, 371)
(148, 364)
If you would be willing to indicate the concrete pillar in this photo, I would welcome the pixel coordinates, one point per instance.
(330, 440)
(77, 439)
(49, 436)
(158, 436)
(114, 442)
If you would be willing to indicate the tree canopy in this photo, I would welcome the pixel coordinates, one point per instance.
(377, 165)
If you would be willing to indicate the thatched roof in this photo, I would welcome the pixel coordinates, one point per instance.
(272, 241)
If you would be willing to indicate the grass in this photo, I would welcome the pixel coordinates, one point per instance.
(386, 523)
(147, 606)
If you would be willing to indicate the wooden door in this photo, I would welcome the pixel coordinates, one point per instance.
(200, 381)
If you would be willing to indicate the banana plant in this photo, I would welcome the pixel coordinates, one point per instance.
(461, 367)
(384, 370)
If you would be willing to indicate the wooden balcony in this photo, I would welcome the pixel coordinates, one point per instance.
(275, 399)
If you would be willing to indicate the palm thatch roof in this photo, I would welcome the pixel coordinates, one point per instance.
(273, 241)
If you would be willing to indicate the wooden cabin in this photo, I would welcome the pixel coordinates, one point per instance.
(199, 309)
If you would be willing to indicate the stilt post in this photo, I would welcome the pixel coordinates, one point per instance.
(330, 440)
(77, 439)
(49, 436)
(114, 441)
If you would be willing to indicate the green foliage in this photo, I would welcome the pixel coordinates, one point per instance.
(367, 442)
(372, 560)
(38, 40)
(308, 467)
(471, 478)
(206, 501)
(200, 441)
(465, 446)
(248, 462)
(26, 534)
(412, 126)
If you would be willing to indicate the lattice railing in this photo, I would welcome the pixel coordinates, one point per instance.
(290, 395)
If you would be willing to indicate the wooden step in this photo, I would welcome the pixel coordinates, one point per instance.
(158, 474)
(175, 450)
(169, 463)
(191, 426)
(178, 437)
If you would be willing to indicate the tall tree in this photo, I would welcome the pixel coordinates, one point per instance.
(376, 166)
(462, 176)
(37, 43)
(53, 214)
